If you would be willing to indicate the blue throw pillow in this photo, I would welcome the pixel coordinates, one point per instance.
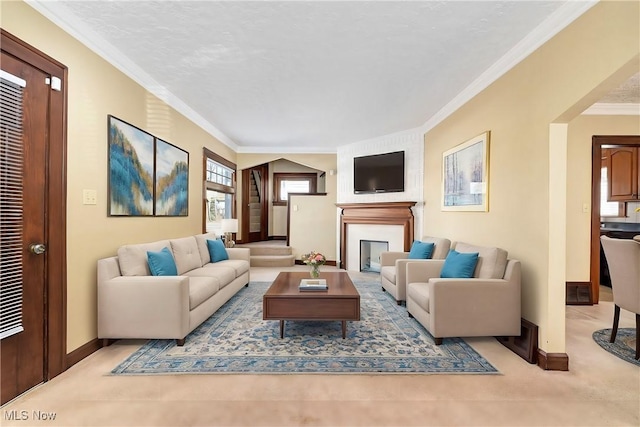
(421, 250)
(217, 251)
(162, 263)
(459, 265)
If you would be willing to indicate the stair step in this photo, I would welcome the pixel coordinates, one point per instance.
(278, 250)
(272, 260)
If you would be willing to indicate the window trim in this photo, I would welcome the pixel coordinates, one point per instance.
(278, 177)
(214, 186)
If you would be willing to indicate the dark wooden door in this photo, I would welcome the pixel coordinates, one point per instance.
(32, 217)
(23, 353)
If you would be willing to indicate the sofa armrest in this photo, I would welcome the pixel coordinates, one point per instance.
(423, 270)
(389, 258)
(482, 303)
(108, 268)
(143, 307)
(401, 270)
(239, 253)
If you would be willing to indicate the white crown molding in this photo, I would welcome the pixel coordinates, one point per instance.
(325, 150)
(605, 109)
(54, 12)
(561, 18)
(288, 150)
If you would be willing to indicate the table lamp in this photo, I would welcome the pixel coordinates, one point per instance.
(229, 226)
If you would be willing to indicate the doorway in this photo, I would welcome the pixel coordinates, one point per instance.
(33, 211)
(255, 216)
(596, 160)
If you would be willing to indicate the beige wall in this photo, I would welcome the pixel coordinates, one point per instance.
(96, 89)
(557, 81)
(581, 130)
(313, 226)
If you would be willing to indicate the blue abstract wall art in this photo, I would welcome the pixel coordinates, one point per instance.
(130, 170)
(172, 180)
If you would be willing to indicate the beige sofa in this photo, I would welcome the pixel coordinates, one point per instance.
(134, 304)
(488, 304)
(393, 267)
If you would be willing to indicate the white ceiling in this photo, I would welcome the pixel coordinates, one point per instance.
(626, 93)
(309, 76)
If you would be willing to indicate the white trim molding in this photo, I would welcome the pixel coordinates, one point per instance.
(605, 109)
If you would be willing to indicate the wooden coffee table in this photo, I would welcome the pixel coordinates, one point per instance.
(283, 301)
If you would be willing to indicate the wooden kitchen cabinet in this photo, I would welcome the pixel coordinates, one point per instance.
(622, 173)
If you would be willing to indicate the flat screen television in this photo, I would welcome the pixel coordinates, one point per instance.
(379, 173)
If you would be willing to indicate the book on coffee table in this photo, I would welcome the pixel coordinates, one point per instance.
(313, 285)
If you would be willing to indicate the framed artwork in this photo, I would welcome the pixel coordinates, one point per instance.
(465, 176)
(171, 180)
(130, 183)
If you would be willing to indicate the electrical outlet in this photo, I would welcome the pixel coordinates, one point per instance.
(89, 197)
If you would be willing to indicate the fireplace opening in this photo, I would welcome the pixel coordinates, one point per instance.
(370, 251)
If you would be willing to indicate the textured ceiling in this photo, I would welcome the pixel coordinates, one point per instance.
(313, 75)
(627, 93)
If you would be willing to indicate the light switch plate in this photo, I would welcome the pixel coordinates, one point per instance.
(89, 197)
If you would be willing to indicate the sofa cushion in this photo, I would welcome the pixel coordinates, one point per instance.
(389, 273)
(491, 261)
(133, 258)
(421, 250)
(442, 246)
(186, 254)
(459, 265)
(201, 289)
(217, 251)
(419, 293)
(161, 263)
(240, 266)
(224, 275)
(201, 239)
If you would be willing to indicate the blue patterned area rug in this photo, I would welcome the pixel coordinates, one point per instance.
(624, 347)
(236, 340)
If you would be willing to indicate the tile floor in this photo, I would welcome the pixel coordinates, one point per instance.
(598, 390)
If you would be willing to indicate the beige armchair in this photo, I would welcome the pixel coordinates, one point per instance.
(623, 258)
(488, 304)
(393, 265)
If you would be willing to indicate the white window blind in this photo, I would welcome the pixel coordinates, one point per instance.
(11, 207)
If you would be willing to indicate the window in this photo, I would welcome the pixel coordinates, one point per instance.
(218, 173)
(220, 191)
(285, 183)
(611, 209)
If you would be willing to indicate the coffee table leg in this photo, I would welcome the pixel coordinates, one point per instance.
(344, 329)
(282, 329)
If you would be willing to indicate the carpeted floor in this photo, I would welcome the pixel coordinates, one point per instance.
(624, 346)
(236, 340)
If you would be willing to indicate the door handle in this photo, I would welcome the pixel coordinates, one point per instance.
(37, 248)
